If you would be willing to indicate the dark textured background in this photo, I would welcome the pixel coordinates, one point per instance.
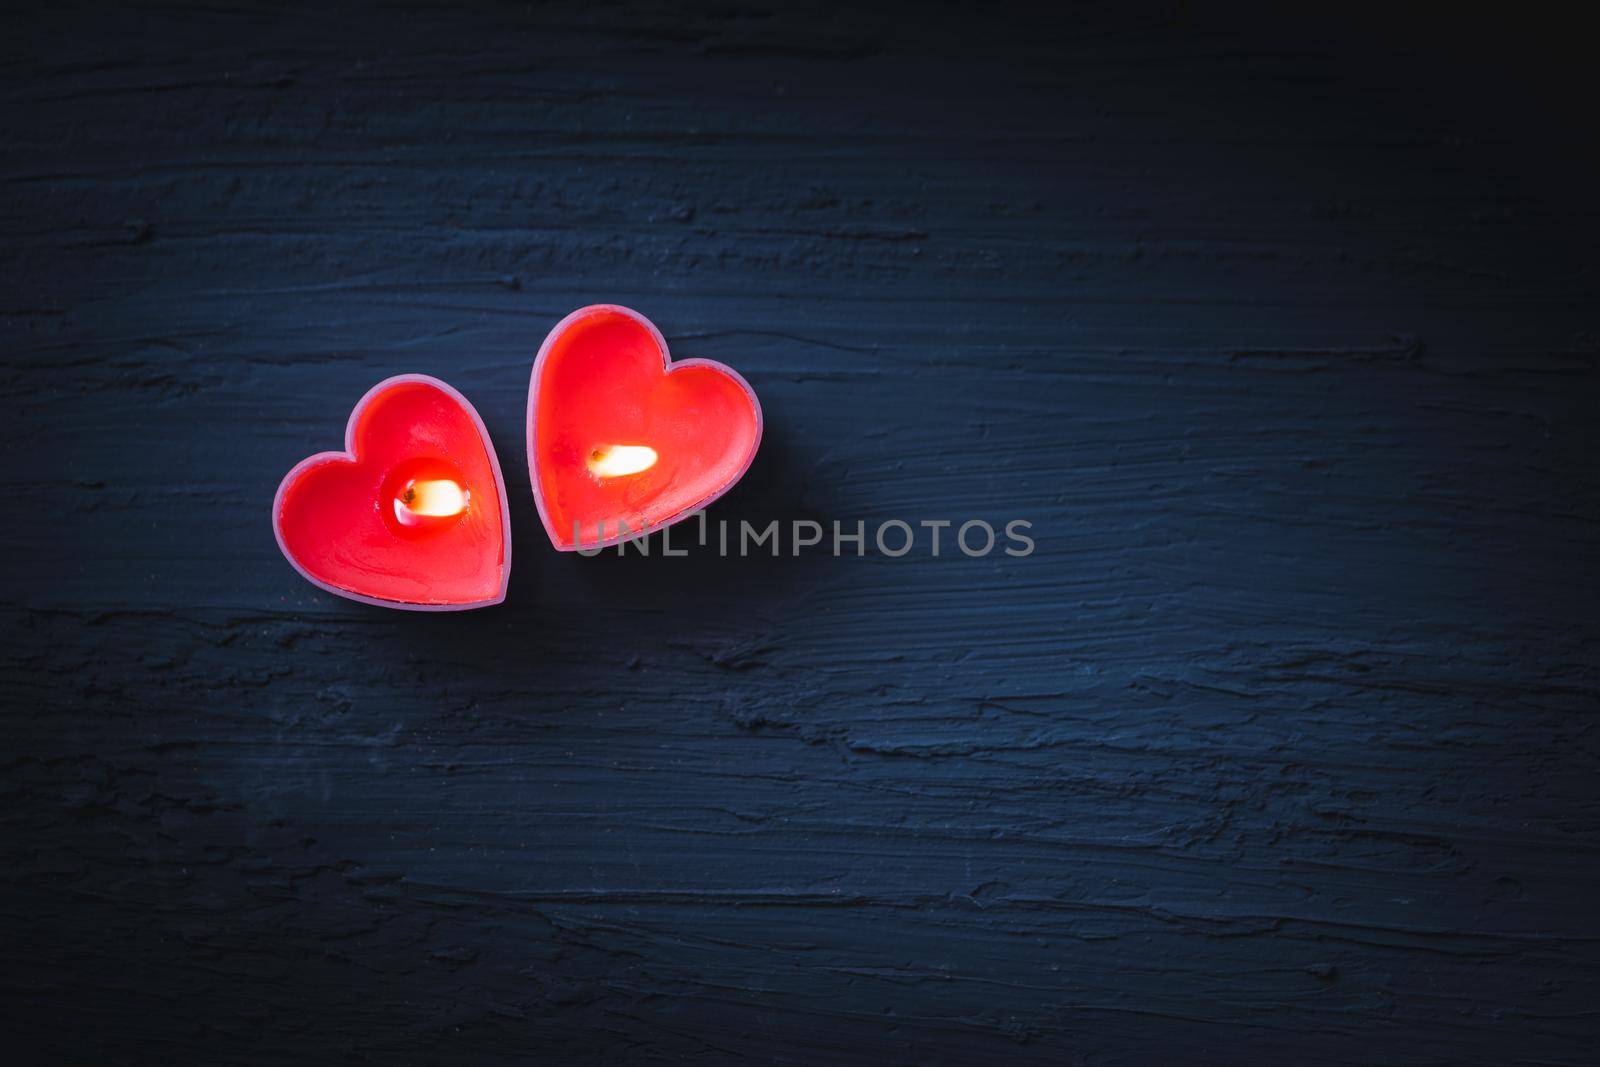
(1283, 332)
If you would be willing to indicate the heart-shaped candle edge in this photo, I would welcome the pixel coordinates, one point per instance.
(669, 365)
(349, 454)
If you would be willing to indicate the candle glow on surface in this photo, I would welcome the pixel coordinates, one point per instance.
(615, 461)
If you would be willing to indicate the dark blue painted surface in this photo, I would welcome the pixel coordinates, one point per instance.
(1280, 744)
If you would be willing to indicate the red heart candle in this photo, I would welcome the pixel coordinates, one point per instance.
(411, 514)
(621, 435)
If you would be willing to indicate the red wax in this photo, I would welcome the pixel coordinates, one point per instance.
(412, 514)
(607, 398)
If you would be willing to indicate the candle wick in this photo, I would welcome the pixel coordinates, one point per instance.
(613, 461)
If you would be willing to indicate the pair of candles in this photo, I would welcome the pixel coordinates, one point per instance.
(621, 440)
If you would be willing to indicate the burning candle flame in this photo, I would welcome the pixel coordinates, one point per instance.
(613, 461)
(429, 499)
